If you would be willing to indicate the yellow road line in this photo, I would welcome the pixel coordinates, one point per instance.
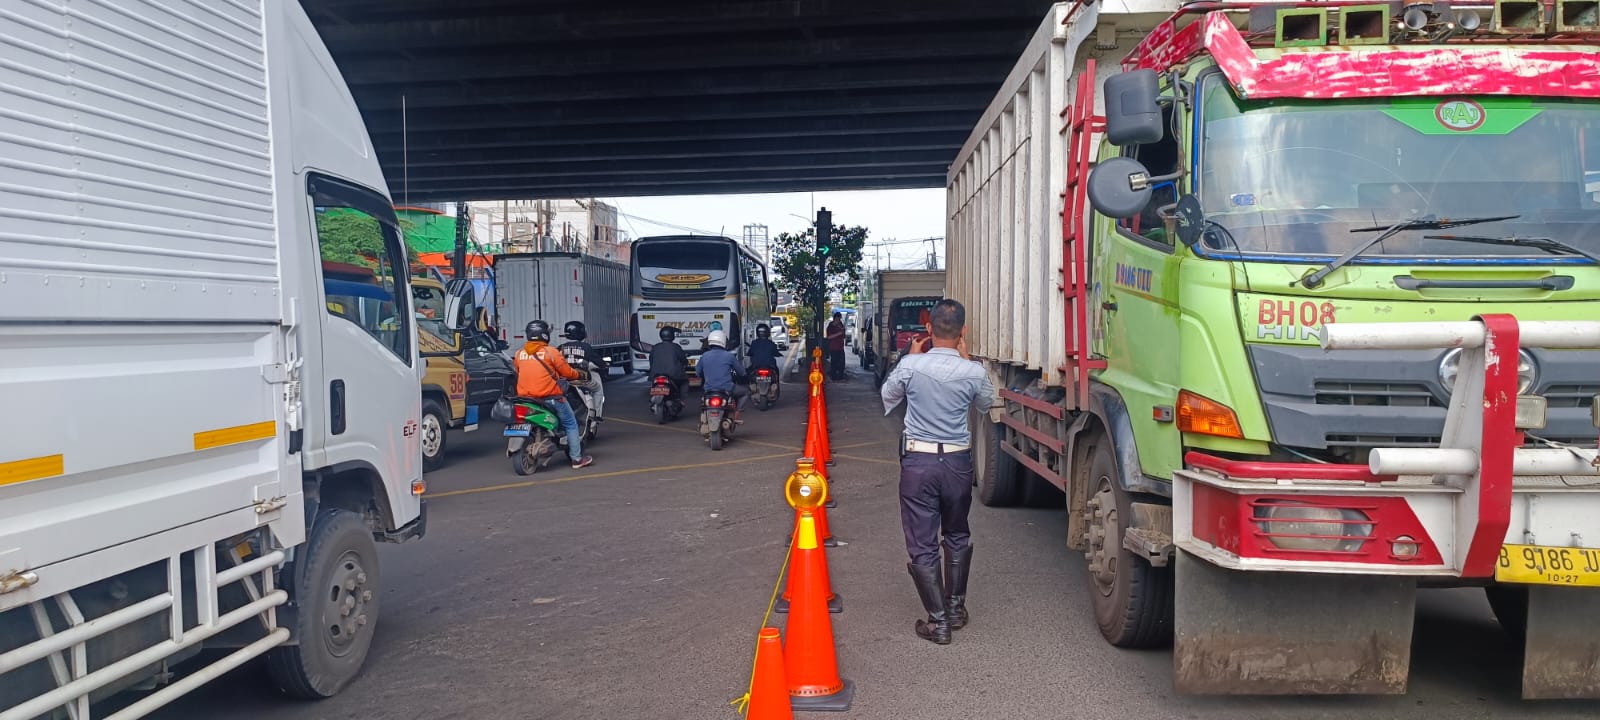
(234, 435)
(17, 471)
(866, 459)
(596, 476)
(857, 445)
(656, 426)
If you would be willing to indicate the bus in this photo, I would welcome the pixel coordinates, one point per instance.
(697, 283)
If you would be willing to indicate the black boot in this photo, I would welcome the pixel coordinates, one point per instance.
(956, 566)
(936, 629)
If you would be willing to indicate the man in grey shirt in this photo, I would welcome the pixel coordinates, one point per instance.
(939, 386)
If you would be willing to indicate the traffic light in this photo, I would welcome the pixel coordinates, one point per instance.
(824, 234)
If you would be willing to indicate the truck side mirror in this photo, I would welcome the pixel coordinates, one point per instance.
(460, 307)
(1190, 220)
(1119, 188)
(1133, 117)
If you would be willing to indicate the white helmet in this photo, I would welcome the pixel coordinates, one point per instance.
(717, 338)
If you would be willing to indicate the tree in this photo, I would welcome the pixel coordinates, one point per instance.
(353, 237)
(794, 262)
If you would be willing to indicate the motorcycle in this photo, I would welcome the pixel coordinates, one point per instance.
(665, 402)
(716, 418)
(534, 435)
(766, 388)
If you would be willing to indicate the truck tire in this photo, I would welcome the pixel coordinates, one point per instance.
(999, 475)
(627, 368)
(435, 426)
(1132, 600)
(337, 595)
(1510, 606)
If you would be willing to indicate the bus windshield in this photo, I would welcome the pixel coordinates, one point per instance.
(685, 265)
(1295, 177)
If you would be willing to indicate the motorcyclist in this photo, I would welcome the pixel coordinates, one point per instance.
(668, 359)
(538, 368)
(721, 370)
(581, 354)
(763, 351)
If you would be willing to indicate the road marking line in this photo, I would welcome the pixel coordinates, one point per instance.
(859, 445)
(748, 441)
(596, 476)
(865, 459)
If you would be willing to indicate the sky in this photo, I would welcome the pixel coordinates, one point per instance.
(887, 214)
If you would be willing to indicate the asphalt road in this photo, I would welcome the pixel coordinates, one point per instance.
(634, 589)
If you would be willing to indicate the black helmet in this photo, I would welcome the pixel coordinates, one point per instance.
(763, 331)
(574, 330)
(538, 330)
(669, 333)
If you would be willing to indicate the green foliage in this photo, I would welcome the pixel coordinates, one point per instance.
(795, 262)
(351, 236)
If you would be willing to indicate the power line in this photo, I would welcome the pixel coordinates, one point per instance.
(682, 228)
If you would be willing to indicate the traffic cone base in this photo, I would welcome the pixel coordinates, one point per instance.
(837, 702)
(835, 605)
(769, 689)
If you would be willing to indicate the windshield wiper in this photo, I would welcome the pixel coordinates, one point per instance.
(1315, 279)
(1549, 245)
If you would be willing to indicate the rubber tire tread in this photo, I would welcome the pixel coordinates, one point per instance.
(432, 407)
(1138, 614)
(999, 475)
(1510, 606)
(285, 664)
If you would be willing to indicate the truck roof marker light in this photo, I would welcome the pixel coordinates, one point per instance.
(1204, 416)
(1518, 17)
(1302, 27)
(1365, 24)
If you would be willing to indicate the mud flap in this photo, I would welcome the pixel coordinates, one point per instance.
(1273, 633)
(1562, 660)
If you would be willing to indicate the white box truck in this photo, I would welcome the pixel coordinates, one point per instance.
(901, 302)
(562, 287)
(208, 365)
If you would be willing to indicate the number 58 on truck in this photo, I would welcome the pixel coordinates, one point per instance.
(1294, 307)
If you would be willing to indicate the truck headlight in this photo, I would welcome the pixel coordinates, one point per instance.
(1527, 371)
(1296, 526)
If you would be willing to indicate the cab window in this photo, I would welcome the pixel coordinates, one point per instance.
(361, 269)
(1160, 158)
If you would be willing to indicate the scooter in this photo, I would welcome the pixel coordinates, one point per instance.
(766, 388)
(716, 418)
(534, 436)
(665, 401)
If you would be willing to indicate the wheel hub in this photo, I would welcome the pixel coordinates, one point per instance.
(1103, 536)
(345, 614)
(432, 435)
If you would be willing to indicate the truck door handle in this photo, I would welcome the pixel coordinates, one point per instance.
(1109, 305)
(336, 407)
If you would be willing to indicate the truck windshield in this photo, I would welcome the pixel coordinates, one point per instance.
(1294, 177)
(912, 314)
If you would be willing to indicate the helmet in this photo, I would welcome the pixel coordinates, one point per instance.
(763, 331)
(574, 330)
(669, 333)
(538, 330)
(717, 338)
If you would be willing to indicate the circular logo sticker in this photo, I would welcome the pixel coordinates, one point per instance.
(1459, 115)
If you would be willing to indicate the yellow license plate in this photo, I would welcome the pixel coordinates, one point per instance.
(1538, 565)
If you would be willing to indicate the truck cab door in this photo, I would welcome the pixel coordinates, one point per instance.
(371, 370)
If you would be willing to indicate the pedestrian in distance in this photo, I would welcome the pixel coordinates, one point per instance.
(939, 383)
(540, 370)
(835, 338)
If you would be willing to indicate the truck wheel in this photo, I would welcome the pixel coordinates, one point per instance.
(1510, 606)
(999, 475)
(1132, 600)
(337, 598)
(627, 368)
(435, 422)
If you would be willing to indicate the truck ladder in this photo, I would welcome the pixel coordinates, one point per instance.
(1082, 127)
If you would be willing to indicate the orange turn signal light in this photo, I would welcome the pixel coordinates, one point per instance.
(418, 487)
(1204, 416)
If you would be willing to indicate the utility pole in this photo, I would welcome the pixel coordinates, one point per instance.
(458, 263)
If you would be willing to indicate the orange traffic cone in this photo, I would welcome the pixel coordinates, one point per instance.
(769, 689)
(824, 447)
(819, 519)
(809, 658)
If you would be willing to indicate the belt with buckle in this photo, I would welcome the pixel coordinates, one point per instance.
(922, 446)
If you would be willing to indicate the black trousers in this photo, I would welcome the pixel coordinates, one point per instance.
(836, 363)
(935, 497)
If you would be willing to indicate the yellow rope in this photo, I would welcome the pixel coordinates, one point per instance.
(742, 704)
